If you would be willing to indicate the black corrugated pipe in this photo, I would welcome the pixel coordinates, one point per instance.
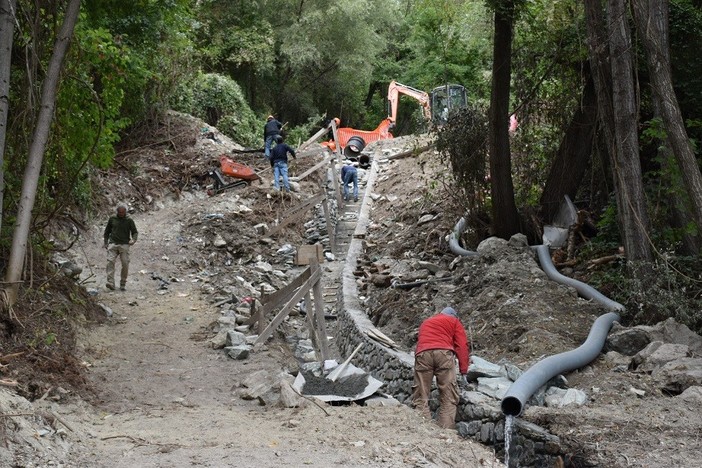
(543, 371)
(453, 240)
(585, 290)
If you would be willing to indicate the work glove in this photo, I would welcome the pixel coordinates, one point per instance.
(463, 382)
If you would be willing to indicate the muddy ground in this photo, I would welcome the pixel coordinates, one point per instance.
(149, 390)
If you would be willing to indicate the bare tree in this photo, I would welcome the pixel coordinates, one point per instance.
(505, 219)
(652, 23)
(35, 157)
(7, 26)
(570, 164)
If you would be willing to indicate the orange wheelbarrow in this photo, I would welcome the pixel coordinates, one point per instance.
(230, 168)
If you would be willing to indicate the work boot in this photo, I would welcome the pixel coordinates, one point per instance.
(122, 288)
(109, 286)
(355, 199)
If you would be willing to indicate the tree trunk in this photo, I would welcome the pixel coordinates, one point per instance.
(608, 49)
(627, 166)
(7, 26)
(573, 155)
(652, 22)
(505, 219)
(30, 180)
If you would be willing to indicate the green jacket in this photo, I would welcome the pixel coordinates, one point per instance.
(119, 230)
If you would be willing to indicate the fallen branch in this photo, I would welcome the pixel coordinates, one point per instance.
(411, 152)
(603, 260)
(8, 383)
(313, 400)
(59, 419)
(7, 357)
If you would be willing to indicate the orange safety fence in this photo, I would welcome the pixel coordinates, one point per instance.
(344, 134)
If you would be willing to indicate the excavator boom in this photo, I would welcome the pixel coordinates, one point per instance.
(394, 91)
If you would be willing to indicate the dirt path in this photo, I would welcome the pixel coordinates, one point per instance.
(168, 400)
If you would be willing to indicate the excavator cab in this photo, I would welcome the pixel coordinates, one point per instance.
(444, 99)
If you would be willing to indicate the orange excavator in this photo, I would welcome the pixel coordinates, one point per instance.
(435, 107)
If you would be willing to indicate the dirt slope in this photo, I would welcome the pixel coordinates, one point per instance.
(164, 397)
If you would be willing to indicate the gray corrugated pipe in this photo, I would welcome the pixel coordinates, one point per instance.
(543, 371)
(453, 240)
(585, 290)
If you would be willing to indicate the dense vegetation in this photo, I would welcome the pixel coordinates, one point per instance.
(234, 62)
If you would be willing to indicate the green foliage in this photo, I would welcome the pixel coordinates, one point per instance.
(450, 43)
(299, 134)
(462, 143)
(156, 35)
(219, 101)
(672, 287)
(548, 58)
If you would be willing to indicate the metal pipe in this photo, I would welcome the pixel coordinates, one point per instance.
(520, 391)
(453, 240)
(585, 290)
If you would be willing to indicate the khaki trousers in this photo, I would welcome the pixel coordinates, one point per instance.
(439, 363)
(114, 251)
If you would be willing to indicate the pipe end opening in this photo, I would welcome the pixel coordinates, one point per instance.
(511, 406)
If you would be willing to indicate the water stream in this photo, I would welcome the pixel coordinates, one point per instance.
(509, 422)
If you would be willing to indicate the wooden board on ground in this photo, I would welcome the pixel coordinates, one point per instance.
(380, 337)
(305, 252)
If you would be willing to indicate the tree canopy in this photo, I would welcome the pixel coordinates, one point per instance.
(609, 120)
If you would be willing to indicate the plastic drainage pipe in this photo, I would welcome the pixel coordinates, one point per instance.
(453, 240)
(585, 290)
(519, 393)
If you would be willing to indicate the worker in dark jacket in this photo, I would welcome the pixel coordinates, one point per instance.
(441, 340)
(279, 162)
(120, 234)
(270, 131)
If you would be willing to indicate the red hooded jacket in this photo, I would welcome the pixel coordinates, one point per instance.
(444, 332)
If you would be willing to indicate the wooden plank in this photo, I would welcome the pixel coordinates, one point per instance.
(321, 328)
(337, 188)
(275, 299)
(310, 326)
(278, 319)
(301, 209)
(314, 168)
(314, 137)
(330, 229)
(307, 251)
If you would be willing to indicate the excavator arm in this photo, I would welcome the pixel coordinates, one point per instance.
(394, 91)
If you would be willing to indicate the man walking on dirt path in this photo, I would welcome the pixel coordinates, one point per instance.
(349, 174)
(279, 162)
(270, 131)
(120, 234)
(441, 340)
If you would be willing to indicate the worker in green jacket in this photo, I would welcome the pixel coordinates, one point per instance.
(120, 234)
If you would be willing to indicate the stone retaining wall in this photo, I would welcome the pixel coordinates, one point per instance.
(481, 421)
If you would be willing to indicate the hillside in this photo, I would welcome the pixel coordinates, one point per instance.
(152, 391)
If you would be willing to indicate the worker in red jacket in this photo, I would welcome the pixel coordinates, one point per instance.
(441, 340)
